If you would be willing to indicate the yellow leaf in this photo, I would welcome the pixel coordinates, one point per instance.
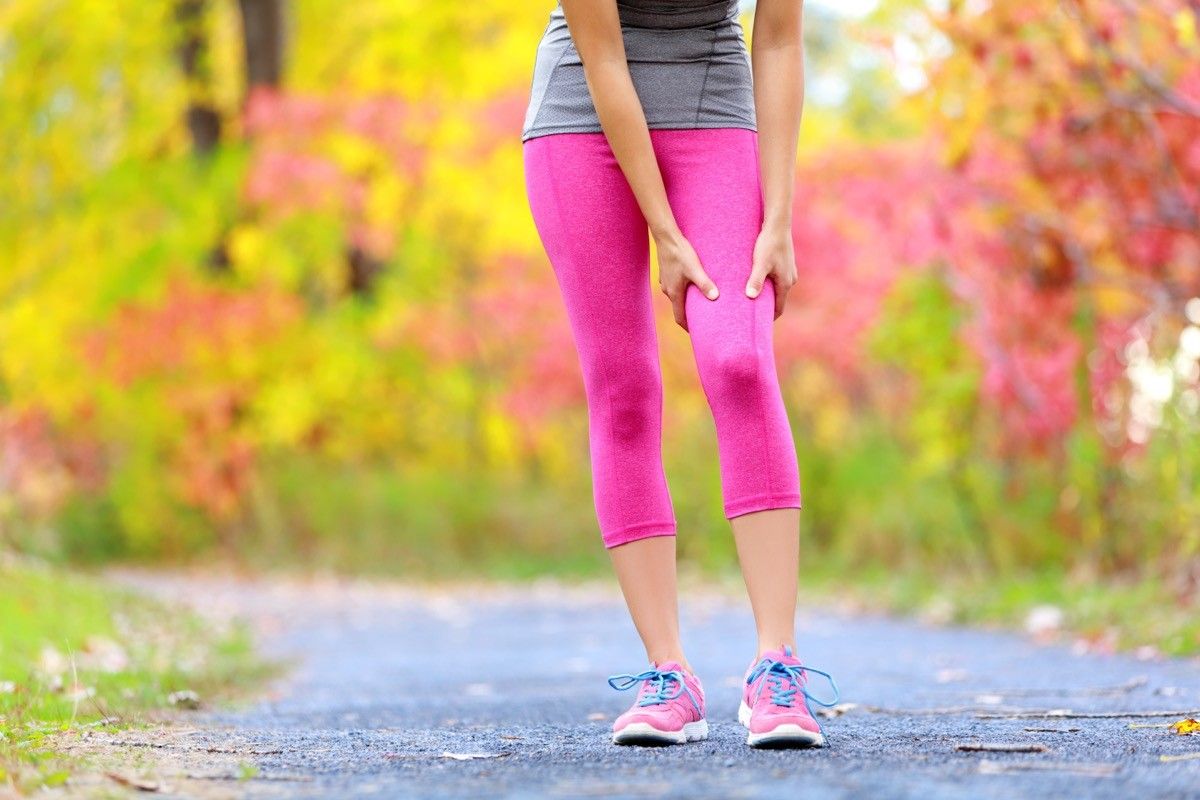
(353, 153)
(1186, 727)
(246, 244)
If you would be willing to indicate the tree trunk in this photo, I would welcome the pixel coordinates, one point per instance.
(203, 121)
(262, 35)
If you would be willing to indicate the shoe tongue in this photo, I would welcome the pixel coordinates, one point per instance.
(649, 686)
(783, 654)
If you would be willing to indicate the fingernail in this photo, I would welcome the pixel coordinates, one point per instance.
(751, 291)
(712, 293)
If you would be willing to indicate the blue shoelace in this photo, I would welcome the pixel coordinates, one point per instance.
(784, 680)
(660, 681)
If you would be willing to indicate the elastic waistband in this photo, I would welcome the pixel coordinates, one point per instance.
(666, 16)
(671, 16)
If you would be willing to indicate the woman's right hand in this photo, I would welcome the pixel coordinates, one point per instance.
(678, 265)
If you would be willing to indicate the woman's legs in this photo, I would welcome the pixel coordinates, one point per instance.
(598, 245)
(597, 242)
(713, 185)
(769, 551)
(646, 571)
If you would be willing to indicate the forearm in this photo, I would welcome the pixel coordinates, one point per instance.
(595, 26)
(624, 123)
(779, 103)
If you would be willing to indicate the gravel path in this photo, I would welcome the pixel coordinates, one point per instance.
(389, 680)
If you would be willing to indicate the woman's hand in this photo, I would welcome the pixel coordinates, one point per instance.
(678, 265)
(595, 28)
(774, 258)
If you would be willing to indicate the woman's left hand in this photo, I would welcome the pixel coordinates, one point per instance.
(774, 258)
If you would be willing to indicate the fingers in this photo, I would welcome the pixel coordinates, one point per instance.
(782, 285)
(757, 276)
(677, 294)
(677, 308)
(676, 291)
(704, 283)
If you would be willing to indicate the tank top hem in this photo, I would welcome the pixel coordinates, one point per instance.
(691, 124)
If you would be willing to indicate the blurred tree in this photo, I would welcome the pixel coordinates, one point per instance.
(203, 119)
(985, 357)
(263, 42)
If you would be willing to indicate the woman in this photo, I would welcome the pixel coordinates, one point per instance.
(650, 118)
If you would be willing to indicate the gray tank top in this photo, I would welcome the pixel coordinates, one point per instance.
(688, 60)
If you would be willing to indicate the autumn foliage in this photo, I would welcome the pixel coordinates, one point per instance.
(334, 330)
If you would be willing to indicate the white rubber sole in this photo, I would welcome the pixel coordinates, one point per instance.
(781, 735)
(645, 734)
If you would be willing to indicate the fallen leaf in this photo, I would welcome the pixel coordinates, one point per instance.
(838, 710)
(137, 783)
(185, 698)
(987, 767)
(1066, 713)
(1186, 727)
(471, 756)
(1000, 747)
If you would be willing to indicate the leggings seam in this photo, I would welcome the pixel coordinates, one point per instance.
(759, 367)
(603, 361)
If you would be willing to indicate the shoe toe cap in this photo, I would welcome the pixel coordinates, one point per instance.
(763, 722)
(657, 720)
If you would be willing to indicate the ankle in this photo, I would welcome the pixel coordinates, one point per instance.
(670, 654)
(766, 643)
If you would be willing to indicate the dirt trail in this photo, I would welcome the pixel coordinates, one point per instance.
(406, 692)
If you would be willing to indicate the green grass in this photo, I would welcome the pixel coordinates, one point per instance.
(1118, 614)
(974, 542)
(78, 654)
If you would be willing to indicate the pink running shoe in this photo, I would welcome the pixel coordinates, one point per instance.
(669, 708)
(770, 708)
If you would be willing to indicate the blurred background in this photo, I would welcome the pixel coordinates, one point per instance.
(270, 295)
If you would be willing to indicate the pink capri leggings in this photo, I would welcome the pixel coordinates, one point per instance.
(597, 242)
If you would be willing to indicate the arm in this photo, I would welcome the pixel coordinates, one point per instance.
(596, 30)
(777, 58)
